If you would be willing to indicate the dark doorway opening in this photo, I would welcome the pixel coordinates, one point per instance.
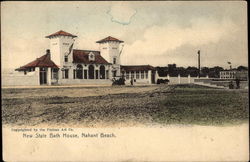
(102, 72)
(79, 72)
(43, 76)
(91, 72)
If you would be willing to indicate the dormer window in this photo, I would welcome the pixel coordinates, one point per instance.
(91, 57)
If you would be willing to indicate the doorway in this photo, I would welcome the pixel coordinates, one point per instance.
(153, 77)
(43, 76)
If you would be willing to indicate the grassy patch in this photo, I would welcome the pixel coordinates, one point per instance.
(205, 106)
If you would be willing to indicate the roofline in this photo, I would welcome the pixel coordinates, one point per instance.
(91, 63)
(103, 41)
(86, 50)
(49, 36)
(137, 65)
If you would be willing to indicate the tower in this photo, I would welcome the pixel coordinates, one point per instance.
(61, 47)
(110, 50)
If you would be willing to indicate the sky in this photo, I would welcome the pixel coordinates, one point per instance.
(155, 33)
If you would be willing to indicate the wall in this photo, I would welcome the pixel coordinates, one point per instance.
(86, 81)
(59, 46)
(110, 50)
(138, 81)
(19, 79)
(178, 80)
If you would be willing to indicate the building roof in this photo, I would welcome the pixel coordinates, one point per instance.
(43, 61)
(137, 67)
(60, 33)
(82, 56)
(109, 38)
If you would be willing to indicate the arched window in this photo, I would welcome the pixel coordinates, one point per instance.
(102, 72)
(91, 72)
(79, 72)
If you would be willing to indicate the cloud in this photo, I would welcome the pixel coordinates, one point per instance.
(160, 40)
(121, 13)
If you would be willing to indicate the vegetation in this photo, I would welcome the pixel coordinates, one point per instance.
(203, 106)
(161, 104)
(173, 70)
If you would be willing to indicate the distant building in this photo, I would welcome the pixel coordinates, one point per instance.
(64, 65)
(234, 74)
(140, 73)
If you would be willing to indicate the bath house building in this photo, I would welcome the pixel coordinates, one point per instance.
(62, 64)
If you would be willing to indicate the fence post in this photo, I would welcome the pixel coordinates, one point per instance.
(179, 78)
(189, 79)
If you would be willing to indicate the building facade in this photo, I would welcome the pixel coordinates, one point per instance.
(64, 65)
(234, 74)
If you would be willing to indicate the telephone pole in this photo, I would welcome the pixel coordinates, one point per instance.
(199, 61)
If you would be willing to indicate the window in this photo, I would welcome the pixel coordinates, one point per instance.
(114, 60)
(123, 74)
(65, 58)
(54, 74)
(137, 75)
(102, 72)
(132, 75)
(146, 75)
(91, 71)
(85, 74)
(142, 74)
(127, 75)
(114, 73)
(107, 74)
(96, 74)
(79, 71)
(66, 73)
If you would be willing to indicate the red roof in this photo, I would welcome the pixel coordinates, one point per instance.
(109, 38)
(61, 32)
(137, 67)
(43, 61)
(81, 56)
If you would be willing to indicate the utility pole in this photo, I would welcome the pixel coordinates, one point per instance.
(199, 61)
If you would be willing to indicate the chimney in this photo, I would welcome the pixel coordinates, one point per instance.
(48, 53)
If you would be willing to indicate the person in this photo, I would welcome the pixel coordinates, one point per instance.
(237, 83)
(131, 81)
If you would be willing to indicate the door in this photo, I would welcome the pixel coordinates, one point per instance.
(43, 76)
(153, 77)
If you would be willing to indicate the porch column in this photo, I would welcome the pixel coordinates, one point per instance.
(37, 70)
(150, 76)
(49, 76)
(71, 73)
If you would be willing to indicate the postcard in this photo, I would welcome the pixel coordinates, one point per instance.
(124, 81)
